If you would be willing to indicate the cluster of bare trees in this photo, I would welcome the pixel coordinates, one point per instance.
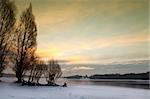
(51, 72)
(18, 45)
(36, 71)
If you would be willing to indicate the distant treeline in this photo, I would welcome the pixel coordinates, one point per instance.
(142, 76)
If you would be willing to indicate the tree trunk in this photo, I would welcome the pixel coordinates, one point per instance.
(19, 77)
(19, 80)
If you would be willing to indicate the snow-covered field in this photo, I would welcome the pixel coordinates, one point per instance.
(12, 91)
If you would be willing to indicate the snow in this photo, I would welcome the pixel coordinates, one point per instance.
(9, 90)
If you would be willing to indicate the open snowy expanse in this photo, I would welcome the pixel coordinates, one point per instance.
(9, 90)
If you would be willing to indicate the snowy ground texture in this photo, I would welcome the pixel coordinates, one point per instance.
(13, 91)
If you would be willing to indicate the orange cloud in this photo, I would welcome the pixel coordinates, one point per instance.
(51, 52)
(61, 50)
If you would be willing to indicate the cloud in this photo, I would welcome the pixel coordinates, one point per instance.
(103, 51)
(65, 69)
(82, 68)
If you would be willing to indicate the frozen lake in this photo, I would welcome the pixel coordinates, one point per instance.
(144, 84)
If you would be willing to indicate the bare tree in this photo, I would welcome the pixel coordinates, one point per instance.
(26, 34)
(53, 72)
(36, 71)
(7, 21)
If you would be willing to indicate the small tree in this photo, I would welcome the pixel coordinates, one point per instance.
(7, 21)
(26, 34)
(53, 72)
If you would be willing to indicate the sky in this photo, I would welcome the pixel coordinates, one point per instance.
(92, 36)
